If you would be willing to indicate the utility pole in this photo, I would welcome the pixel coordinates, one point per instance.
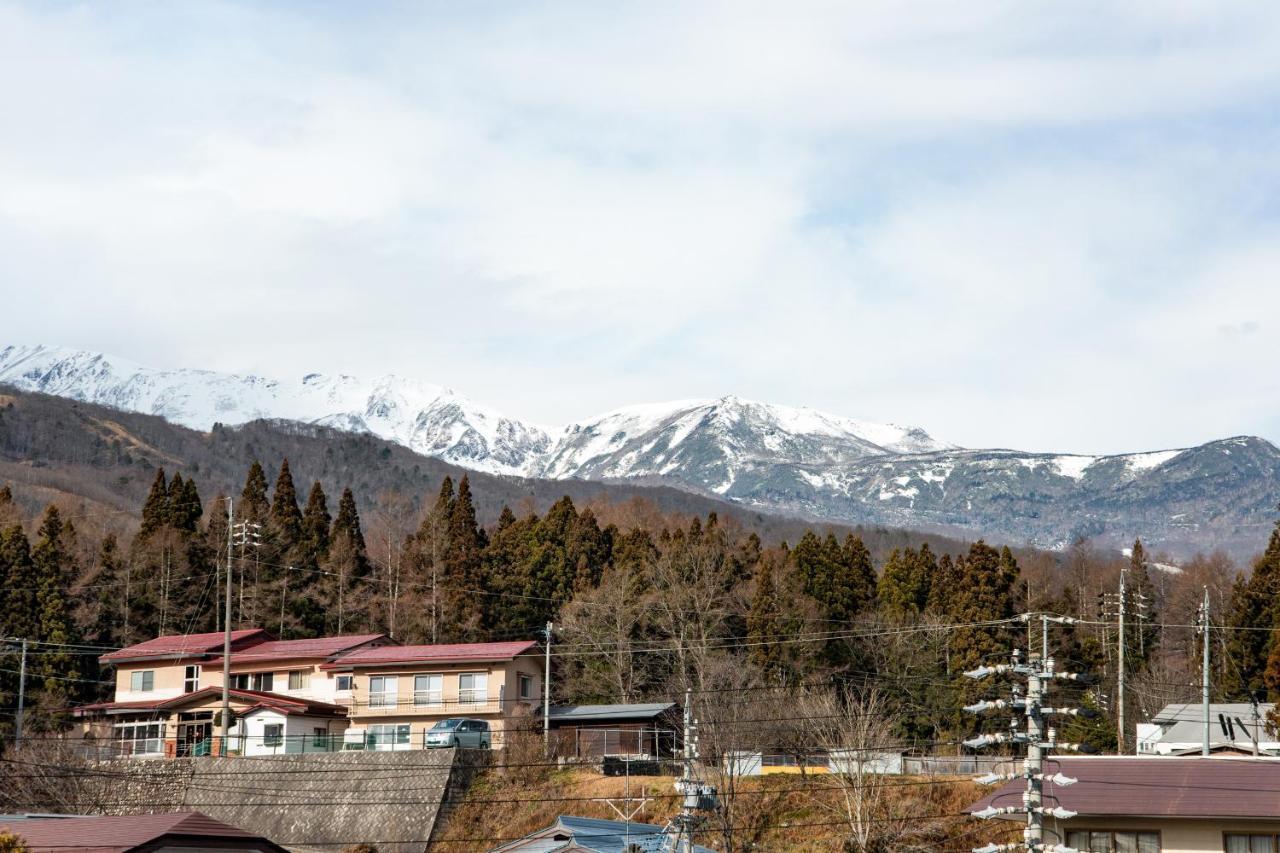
(546, 694)
(1121, 738)
(226, 633)
(1039, 740)
(248, 534)
(696, 795)
(22, 690)
(1204, 671)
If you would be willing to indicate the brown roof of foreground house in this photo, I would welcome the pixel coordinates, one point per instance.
(185, 645)
(316, 647)
(119, 834)
(1157, 787)
(254, 698)
(461, 652)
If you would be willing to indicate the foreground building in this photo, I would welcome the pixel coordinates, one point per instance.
(191, 831)
(329, 693)
(1160, 805)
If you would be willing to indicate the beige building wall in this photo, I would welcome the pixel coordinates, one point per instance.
(1176, 835)
(502, 695)
(167, 680)
(318, 684)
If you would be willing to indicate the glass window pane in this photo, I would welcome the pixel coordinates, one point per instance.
(1260, 844)
(1078, 839)
(1100, 842)
(1237, 844)
(1148, 842)
(1126, 842)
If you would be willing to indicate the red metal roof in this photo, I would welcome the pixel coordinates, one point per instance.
(118, 834)
(254, 698)
(185, 645)
(460, 652)
(317, 647)
(1158, 787)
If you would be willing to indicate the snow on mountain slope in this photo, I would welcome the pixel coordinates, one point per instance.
(698, 444)
(796, 462)
(427, 418)
(707, 444)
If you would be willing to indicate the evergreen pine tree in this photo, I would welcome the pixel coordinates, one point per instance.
(155, 512)
(57, 666)
(286, 518)
(315, 528)
(185, 509)
(987, 591)
(18, 610)
(254, 505)
(175, 494)
(860, 576)
(1254, 605)
(904, 582)
(764, 626)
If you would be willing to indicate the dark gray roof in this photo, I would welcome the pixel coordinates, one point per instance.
(592, 713)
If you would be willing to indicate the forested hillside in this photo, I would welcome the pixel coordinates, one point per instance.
(114, 529)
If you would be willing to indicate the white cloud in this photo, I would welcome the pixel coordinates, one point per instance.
(1003, 221)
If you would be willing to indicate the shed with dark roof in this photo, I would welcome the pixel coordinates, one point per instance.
(596, 731)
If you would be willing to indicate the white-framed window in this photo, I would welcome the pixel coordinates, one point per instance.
(344, 683)
(272, 734)
(191, 679)
(428, 689)
(142, 681)
(1253, 842)
(264, 682)
(388, 736)
(526, 686)
(1125, 841)
(140, 738)
(473, 688)
(382, 691)
(299, 679)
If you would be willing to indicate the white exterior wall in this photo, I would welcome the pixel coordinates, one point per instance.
(296, 728)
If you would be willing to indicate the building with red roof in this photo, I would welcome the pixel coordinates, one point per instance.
(302, 695)
(125, 834)
(1146, 805)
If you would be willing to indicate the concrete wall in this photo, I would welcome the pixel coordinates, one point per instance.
(316, 803)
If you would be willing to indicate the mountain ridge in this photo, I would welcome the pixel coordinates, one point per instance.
(792, 461)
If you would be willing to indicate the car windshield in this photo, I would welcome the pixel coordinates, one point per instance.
(445, 725)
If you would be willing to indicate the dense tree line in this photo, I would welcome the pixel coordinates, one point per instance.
(641, 611)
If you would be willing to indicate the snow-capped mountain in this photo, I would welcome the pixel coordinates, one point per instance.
(427, 418)
(707, 444)
(795, 462)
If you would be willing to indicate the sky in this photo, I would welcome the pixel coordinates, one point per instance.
(1045, 226)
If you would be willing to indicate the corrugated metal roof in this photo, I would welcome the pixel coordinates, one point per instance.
(431, 654)
(1159, 787)
(584, 713)
(117, 834)
(178, 645)
(316, 647)
(593, 834)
